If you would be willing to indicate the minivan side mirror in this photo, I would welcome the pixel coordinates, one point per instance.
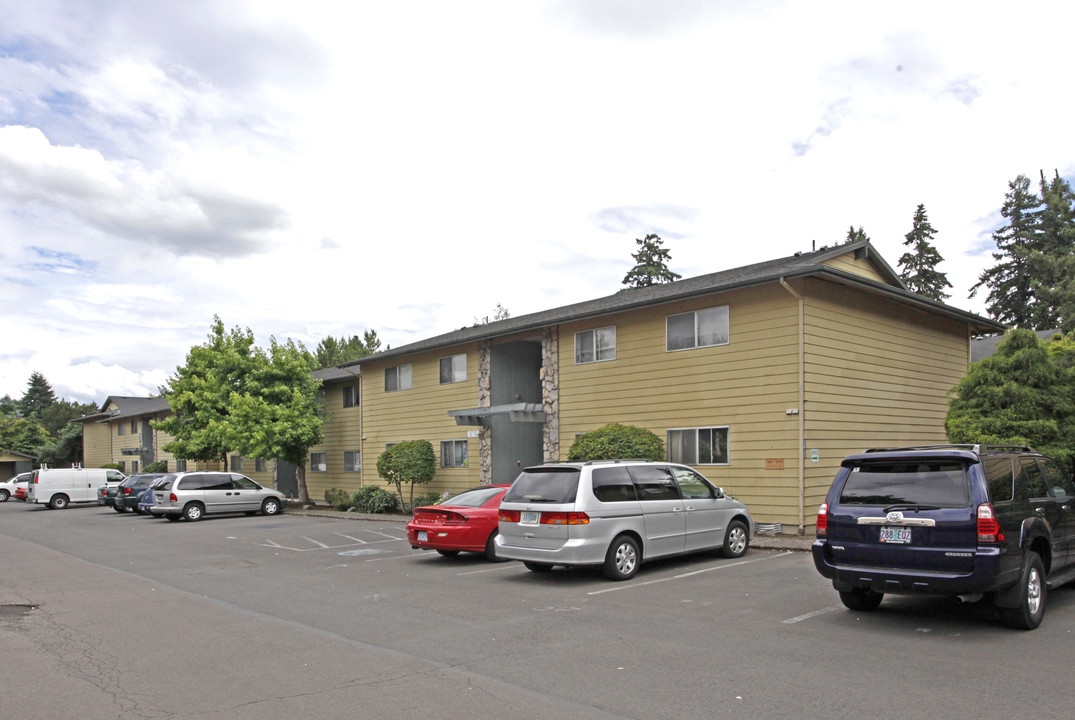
(720, 493)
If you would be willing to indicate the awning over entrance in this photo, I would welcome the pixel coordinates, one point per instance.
(515, 412)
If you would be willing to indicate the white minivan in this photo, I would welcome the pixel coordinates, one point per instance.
(60, 487)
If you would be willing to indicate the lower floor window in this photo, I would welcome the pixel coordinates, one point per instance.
(260, 465)
(698, 446)
(352, 461)
(453, 453)
(180, 465)
(318, 462)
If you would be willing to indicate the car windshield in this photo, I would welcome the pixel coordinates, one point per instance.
(475, 497)
(545, 485)
(915, 483)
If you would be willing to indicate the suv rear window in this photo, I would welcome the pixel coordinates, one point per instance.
(937, 483)
(540, 485)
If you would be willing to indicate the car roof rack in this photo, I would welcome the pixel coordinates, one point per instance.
(976, 448)
(618, 460)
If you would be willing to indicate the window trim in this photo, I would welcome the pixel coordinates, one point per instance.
(316, 467)
(695, 461)
(452, 369)
(453, 444)
(352, 466)
(593, 345)
(397, 386)
(695, 313)
(351, 399)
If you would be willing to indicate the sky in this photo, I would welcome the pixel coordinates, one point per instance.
(321, 169)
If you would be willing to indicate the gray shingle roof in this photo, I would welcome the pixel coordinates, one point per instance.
(798, 265)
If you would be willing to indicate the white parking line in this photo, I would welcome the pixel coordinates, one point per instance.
(684, 575)
(323, 546)
(814, 614)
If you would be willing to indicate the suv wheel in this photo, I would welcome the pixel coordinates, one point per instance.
(1028, 614)
(621, 560)
(735, 540)
(861, 599)
(193, 512)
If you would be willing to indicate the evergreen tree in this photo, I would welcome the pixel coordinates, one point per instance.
(37, 397)
(854, 235)
(919, 266)
(331, 351)
(651, 264)
(1031, 284)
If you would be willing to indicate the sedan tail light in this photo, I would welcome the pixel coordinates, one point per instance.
(454, 518)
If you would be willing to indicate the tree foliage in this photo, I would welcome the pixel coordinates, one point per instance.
(407, 463)
(616, 441)
(331, 351)
(651, 264)
(232, 396)
(1032, 285)
(919, 266)
(854, 235)
(39, 424)
(1022, 394)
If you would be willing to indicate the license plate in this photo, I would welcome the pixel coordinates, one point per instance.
(529, 518)
(900, 535)
(423, 536)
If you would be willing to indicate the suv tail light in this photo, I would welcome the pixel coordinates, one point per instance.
(822, 527)
(172, 498)
(988, 527)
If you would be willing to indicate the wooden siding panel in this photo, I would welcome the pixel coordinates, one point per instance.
(863, 267)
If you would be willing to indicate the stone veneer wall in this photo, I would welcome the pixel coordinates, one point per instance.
(550, 393)
(485, 434)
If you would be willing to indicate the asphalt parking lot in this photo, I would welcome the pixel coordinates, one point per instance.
(269, 617)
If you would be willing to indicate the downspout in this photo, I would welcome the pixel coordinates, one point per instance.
(802, 410)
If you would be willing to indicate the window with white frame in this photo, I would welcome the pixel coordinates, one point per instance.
(701, 328)
(453, 453)
(352, 461)
(397, 378)
(318, 462)
(595, 345)
(453, 369)
(350, 396)
(698, 446)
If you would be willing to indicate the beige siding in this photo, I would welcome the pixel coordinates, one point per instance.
(863, 267)
(343, 433)
(420, 413)
(877, 375)
(96, 443)
(747, 385)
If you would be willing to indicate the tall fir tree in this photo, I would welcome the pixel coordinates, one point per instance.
(651, 264)
(919, 266)
(37, 398)
(854, 235)
(1031, 281)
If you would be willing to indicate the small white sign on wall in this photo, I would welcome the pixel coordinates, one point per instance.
(473, 433)
(815, 456)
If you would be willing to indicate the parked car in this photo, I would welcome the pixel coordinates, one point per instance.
(145, 500)
(58, 488)
(617, 514)
(192, 495)
(127, 494)
(466, 522)
(972, 521)
(10, 488)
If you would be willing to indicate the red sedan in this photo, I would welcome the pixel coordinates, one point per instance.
(466, 522)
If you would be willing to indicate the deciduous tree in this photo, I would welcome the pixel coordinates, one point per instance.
(407, 463)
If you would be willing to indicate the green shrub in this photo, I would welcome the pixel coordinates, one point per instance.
(615, 441)
(407, 463)
(112, 466)
(159, 466)
(339, 499)
(428, 499)
(374, 500)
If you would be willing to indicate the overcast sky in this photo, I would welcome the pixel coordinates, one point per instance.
(307, 169)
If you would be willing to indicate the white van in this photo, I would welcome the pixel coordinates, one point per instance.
(58, 488)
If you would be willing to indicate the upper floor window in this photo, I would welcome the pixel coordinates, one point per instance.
(134, 427)
(701, 328)
(121, 429)
(397, 378)
(350, 396)
(595, 345)
(698, 446)
(453, 369)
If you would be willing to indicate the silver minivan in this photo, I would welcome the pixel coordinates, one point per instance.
(617, 513)
(192, 495)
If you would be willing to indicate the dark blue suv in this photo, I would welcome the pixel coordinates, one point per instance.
(973, 521)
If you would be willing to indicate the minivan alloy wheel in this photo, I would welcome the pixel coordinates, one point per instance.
(621, 562)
